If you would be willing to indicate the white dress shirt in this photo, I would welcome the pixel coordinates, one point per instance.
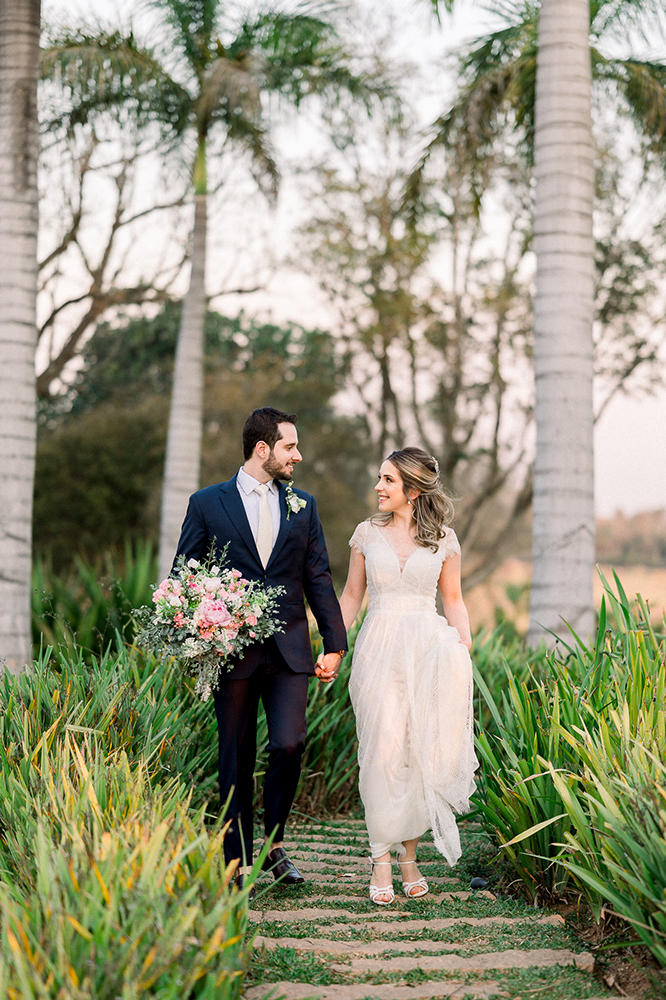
(246, 485)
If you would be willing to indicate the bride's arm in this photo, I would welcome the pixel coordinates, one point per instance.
(454, 607)
(354, 592)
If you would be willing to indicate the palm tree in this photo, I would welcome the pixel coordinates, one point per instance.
(19, 73)
(203, 87)
(563, 499)
(534, 77)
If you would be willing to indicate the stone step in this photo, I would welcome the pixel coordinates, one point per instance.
(311, 913)
(345, 860)
(310, 823)
(320, 838)
(362, 897)
(327, 946)
(352, 878)
(371, 923)
(514, 958)
(393, 991)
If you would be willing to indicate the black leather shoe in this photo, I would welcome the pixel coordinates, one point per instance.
(239, 881)
(284, 870)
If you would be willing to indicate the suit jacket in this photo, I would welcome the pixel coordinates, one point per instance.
(298, 562)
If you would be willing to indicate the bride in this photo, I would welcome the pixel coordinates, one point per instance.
(411, 678)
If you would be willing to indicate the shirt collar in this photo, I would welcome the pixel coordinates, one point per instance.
(247, 482)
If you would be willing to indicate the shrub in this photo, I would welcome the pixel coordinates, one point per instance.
(112, 879)
(111, 888)
(92, 603)
(574, 777)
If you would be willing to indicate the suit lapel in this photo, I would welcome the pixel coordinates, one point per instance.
(285, 524)
(233, 505)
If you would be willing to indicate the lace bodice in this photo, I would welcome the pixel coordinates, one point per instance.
(395, 583)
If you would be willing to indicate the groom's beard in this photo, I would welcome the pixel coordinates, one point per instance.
(273, 469)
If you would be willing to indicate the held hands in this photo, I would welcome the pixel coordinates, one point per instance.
(328, 667)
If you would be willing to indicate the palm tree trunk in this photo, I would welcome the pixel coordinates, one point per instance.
(183, 457)
(563, 507)
(19, 72)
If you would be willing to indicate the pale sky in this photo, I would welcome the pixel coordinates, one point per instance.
(630, 459)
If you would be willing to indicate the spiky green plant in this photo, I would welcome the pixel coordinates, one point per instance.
(93, 601)
(111, 887)
(574, 779)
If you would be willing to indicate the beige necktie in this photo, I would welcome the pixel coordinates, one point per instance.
(265, 531)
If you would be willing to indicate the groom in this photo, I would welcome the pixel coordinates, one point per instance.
(278, 543)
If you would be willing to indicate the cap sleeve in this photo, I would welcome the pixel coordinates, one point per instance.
(449, 545)
(359, 539)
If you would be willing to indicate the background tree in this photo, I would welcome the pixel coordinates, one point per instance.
(206, 81)
(19, 73)
(96, 237)
(447, 362)
(101, 448)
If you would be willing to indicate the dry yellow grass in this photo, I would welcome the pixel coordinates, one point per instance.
(515, 574)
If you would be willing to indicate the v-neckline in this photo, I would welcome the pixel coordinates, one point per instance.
(403, 567)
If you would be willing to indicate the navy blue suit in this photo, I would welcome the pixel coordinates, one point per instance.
(275, 671)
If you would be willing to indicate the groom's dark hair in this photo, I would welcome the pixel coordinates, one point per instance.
(262, 425)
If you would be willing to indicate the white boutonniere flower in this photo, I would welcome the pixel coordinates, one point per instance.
(294, 503)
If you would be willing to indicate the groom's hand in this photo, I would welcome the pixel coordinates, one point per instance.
(328, 667)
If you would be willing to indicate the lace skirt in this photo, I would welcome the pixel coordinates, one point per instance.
(411, 689)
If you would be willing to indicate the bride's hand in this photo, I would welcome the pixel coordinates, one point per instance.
(328, 667)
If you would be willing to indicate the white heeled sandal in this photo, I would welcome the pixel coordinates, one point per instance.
(386, 890)
(413, 890)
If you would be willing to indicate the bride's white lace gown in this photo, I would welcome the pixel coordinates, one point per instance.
(411, 689)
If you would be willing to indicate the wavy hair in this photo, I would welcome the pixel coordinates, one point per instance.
(433, 508)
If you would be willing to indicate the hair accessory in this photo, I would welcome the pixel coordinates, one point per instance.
(436, 464)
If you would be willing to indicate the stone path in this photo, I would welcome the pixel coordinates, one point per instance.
(327, 941)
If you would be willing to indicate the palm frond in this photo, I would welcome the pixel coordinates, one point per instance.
(252, 137)
(446, 4)
(642, 86)
(500, 75)
(110, 69)
(193, 25)
(620, 16)
(303, 55)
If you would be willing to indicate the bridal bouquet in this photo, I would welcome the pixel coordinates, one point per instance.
(206, 614)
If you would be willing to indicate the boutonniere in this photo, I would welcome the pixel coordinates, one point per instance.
(294, 503)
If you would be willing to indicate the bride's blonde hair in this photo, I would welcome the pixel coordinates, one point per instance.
(432, 509)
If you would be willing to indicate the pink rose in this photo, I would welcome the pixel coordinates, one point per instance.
(212, 613)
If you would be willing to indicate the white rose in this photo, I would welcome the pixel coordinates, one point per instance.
(193, 563)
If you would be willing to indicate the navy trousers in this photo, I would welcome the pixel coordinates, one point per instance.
(284, 697)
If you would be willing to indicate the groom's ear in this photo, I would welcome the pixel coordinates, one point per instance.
(262, 450)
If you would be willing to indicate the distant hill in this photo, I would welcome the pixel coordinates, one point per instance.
(639, 540)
